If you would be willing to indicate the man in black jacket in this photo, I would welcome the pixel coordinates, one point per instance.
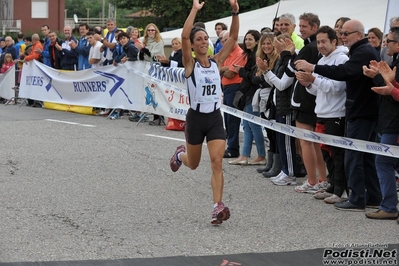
(388, 126)
(54, 53)
(362, 106)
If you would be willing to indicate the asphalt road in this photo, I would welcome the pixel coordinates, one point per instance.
(79, 187)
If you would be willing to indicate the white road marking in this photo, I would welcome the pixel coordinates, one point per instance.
(70, 123)
(163, 137)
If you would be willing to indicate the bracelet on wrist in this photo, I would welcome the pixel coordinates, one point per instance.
(235, 13)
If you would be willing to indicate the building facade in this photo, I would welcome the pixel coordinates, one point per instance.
(31, 15)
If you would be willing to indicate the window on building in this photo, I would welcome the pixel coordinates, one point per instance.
(40, 8)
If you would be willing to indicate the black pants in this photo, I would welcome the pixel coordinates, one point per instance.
(334, 156)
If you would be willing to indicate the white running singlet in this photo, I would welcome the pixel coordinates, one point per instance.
(204, 88)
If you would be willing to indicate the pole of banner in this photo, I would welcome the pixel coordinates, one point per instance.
(278, 7)
(143, 116)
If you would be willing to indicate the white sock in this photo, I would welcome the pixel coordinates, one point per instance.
(178, 156)
(215, 205)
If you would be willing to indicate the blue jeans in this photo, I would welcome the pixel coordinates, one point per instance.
(286, 146)
(360, 166)
(386, 174)
(231, 122)
(252, 132)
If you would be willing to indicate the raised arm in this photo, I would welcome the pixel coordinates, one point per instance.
(188, 60)
(230, 43)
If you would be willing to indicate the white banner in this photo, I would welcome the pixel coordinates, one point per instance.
(7, 82)
(136, 86)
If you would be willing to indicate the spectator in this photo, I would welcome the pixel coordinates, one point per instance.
(287, 25)
(20, 38)
(375, 35)
(8, 49)
(2, 44)
(252, 131)
(219, 27)
(330, 111)
(96, 57)
(269, 55)
(109, 42)
(175, 58)
(69, 57)
(45, 52)
(276, 26)
(303, 104)
(338, 28)
(130, 52)
(389, 129)
(98, 33)
(362, 106)
(82, 48)
(118, 52)
(285, 160)
(36, 44)
(231, 81)
(7, 64)
(53, 52)
(153, 46)
(129, 30)
(135, 36)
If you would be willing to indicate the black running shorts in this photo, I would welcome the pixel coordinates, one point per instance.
(201, 125)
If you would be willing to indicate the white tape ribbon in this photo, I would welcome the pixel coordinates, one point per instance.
(337, 141)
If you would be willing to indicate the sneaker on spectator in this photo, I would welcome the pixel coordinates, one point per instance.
(135, 117)
(220, 213)
(322, 195)
(277, 177)
(114, 116)
(285, 181)
(104, 112)
(333, 199)
(307, 188)
(175, 163)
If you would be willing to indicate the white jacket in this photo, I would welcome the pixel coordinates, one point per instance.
(330, 94)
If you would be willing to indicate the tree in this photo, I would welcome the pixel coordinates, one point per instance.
(173, 13)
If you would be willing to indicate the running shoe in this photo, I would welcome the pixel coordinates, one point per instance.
(308, 188)
(279, 176)
(286, 181)
(175, 163)
(220, 213)
(114, 116)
